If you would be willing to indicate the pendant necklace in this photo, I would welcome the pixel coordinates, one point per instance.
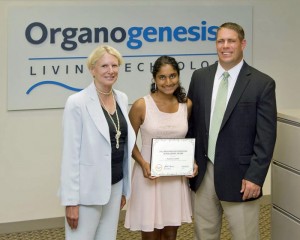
(117, 126)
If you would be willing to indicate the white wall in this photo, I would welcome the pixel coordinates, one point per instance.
(30, 141)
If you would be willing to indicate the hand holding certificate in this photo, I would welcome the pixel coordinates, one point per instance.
(172, 156)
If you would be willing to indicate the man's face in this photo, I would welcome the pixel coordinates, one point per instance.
(229, 47)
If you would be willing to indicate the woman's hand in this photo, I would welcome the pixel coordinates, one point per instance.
(72, 215)
(146, 170)
(195, 171)
(123, 201)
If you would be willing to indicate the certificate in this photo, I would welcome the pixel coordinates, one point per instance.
(172, 156)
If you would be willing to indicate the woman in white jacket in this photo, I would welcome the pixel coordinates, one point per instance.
(97, 145)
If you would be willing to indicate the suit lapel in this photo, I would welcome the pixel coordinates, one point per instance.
(240, 85)
(96, 113)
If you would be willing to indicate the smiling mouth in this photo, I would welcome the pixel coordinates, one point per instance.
(169, 88)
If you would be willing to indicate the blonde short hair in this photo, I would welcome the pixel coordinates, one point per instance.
(99, 51)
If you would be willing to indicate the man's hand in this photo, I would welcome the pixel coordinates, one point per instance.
(250, 189)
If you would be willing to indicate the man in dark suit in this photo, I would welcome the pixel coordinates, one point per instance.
(233, 166)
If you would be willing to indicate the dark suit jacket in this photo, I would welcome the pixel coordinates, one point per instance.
(247, 135)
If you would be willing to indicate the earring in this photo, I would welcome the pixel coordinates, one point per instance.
(155, 87)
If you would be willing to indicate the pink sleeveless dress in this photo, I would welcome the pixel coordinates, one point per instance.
(165, 201)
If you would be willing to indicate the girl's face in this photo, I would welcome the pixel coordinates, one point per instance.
(167, 79)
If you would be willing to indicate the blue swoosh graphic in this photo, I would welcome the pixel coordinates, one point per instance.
(53, 83)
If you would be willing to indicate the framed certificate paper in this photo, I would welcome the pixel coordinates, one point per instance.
(172, 156)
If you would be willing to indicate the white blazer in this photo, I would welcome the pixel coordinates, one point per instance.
(86, 159)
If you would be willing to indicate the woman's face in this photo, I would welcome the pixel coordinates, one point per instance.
(167, 79)
(106, 70)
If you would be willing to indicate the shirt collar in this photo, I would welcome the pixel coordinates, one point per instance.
(233, 72)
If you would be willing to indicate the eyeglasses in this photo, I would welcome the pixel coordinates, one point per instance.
(164, 77)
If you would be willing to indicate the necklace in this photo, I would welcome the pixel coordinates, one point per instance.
(117, 126)
(104, 93)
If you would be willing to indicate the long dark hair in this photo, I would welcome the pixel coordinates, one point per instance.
(179, 93)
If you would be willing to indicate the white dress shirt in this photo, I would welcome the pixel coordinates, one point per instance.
(233, 72)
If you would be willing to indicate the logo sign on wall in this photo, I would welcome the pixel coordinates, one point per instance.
(47, 53)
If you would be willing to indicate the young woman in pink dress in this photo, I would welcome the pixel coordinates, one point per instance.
(159, 205)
